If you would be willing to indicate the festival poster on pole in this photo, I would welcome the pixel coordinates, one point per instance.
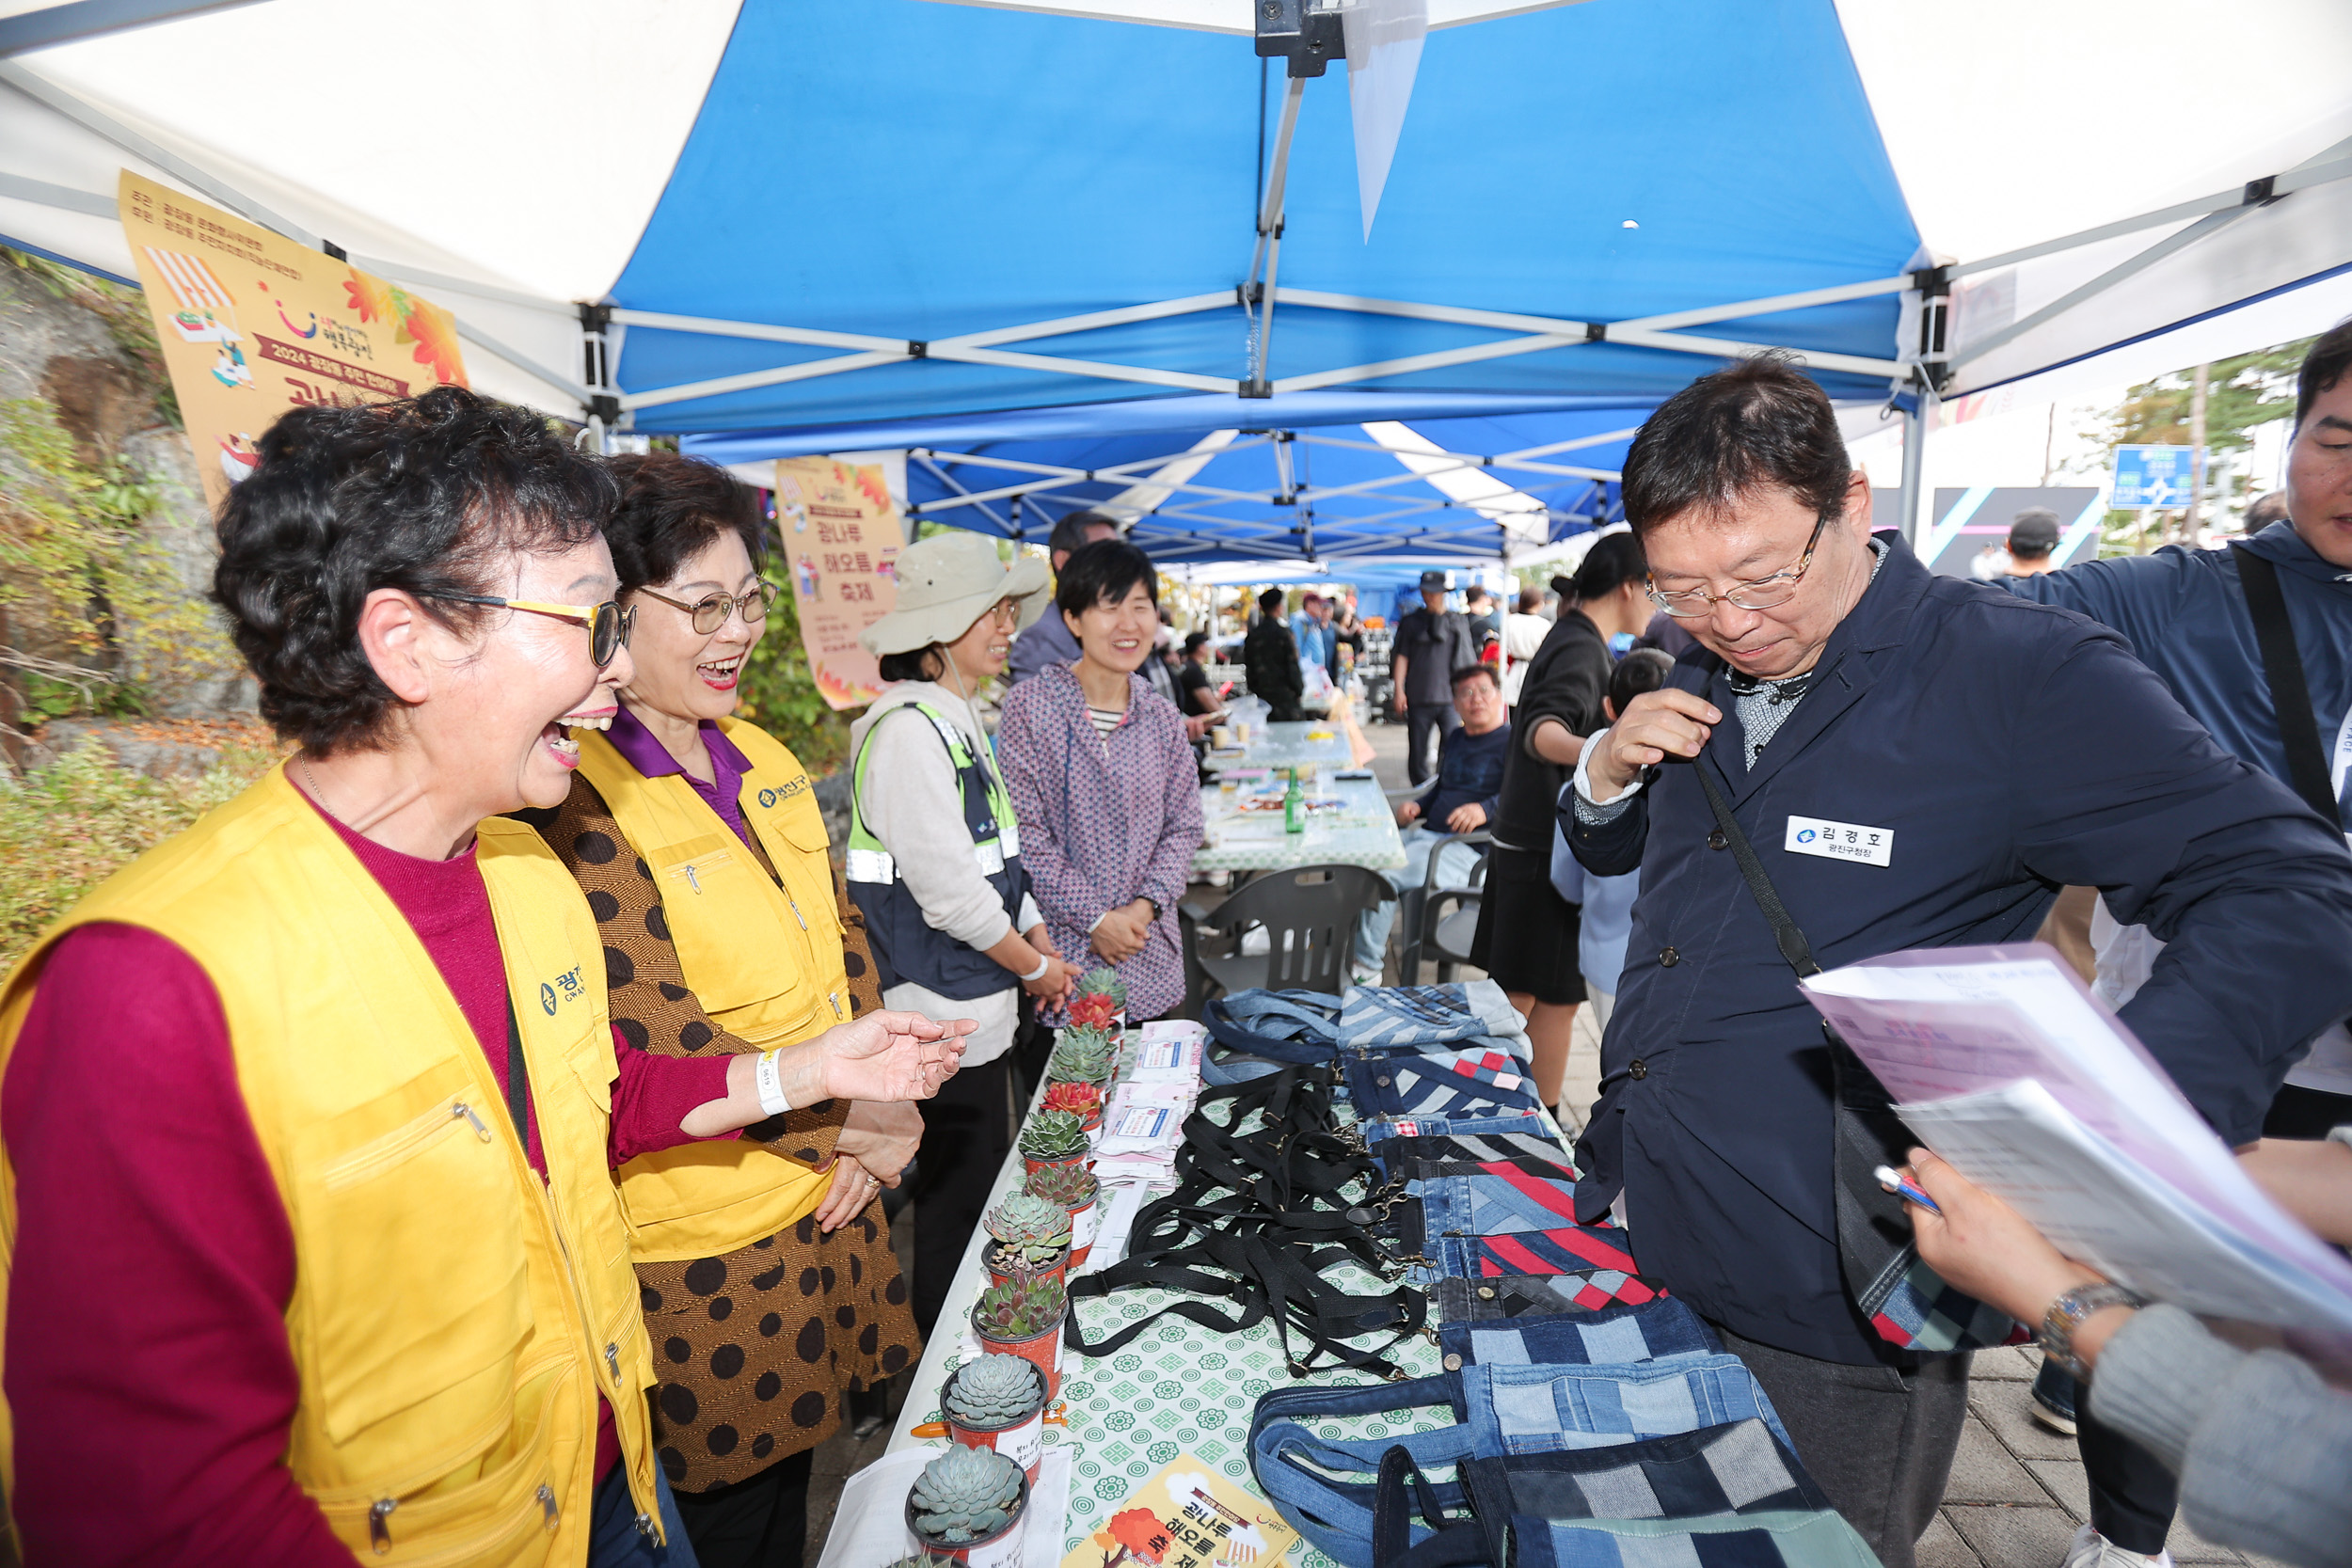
(253, 323)
(841, 537)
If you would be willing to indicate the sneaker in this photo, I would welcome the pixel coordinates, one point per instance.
(2050, 1415)
(1363, 977)
(2091, 1549)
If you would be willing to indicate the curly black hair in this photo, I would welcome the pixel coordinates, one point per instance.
(671, 506)
(428, 495)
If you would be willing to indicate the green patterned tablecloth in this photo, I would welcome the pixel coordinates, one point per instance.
(1363, 832)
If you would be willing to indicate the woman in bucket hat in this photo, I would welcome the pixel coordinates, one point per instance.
(934, 865)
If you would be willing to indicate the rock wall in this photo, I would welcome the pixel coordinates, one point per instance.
(109, 401)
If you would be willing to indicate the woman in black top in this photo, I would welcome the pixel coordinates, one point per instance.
(1527, 933)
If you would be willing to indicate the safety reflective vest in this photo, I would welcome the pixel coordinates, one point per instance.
(906, 945)
(453, 1318)
(762, 955)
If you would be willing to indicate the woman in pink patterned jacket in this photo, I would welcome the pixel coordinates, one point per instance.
(1105, 783)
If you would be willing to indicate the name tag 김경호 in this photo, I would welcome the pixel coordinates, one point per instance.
(1840, 840)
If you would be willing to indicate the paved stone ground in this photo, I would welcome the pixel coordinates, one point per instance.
(2017, 1491)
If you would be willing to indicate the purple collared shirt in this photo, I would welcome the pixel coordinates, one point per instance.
(650, 757)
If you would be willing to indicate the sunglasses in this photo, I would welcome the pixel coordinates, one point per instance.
(710, 612)
(607, 624)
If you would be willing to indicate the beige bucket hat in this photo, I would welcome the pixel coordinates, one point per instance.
(949, 581)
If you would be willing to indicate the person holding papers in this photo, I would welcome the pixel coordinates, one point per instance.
(2212, 1412)
(1917, 762)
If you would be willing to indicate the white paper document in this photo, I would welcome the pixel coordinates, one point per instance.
(2005, 1065)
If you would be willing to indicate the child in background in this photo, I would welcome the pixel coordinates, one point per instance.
(1609, 900)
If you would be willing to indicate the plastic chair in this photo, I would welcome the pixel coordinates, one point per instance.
(1310, 914)
(1440, 921)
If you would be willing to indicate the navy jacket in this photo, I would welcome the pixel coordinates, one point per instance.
(2187, 618)
(2010, 748)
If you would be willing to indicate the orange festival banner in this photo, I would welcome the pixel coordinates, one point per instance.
(253, 323)
(840, 536)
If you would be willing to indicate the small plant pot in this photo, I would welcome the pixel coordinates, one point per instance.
(1082, 1222)
(1023, 1440)
(1001, 1550)
(1042, 1350)
(1002, 1273)
(1031, 1166)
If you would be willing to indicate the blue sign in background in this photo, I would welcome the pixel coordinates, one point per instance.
(2153, 476)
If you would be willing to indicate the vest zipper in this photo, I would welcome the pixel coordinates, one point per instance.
(796, 909)
(547, 1506)
(612, 1359)
(380, 1524)
(834, 997)
(480, 1128)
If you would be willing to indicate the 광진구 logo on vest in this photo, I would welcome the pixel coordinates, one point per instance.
(547, 999)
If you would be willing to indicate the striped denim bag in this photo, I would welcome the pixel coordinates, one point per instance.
(1499, 1298)
(1378, 1130)
(1726, 1497)
(1324, 1486)
(1390, 1017)
(1450, 1085)
(1399, 1156)
(1660, 1330)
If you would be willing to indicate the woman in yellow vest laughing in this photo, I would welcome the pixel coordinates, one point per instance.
(704, 856)
(331, 1075)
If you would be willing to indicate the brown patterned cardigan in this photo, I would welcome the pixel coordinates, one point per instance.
(759, 1349)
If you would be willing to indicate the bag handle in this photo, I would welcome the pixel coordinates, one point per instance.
(2290, 695)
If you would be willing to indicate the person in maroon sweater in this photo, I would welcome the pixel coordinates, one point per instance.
(148, 1367)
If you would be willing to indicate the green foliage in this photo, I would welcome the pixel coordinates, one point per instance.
(83, 579)
(1080, 1056)
(993, 1391)
(780, 695)
(966, 1494)
(1021, 1306)
(67, 829)
(2241, 393)
(1066, 1187)
(1029, 1229)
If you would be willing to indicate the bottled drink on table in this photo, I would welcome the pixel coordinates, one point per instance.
(1294, 806)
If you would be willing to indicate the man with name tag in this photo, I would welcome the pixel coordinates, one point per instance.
(1897, 760)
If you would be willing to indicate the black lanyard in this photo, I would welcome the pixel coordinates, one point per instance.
(2290, 695)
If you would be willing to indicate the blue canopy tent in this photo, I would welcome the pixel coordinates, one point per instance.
(1080, 221)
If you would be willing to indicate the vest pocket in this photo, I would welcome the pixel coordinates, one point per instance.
(413, 1295)
(505, 1516)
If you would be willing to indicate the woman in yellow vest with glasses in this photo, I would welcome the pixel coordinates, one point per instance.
(314, 1245)
(704, 856)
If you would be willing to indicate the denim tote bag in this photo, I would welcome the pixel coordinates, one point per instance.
(1660, 1330)
(1499, 1298)
(1732, 1496)
(1412, 1017)
(1498, 1410)
(1451, 1085)
(1404, 1158)
(1253, 1033)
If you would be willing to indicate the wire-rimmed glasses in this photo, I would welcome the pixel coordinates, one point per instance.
(1689, 604)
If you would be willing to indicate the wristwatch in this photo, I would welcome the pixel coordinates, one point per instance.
(2069, 1313)
(1153, 902)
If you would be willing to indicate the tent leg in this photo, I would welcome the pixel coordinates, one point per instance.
(1911, 510)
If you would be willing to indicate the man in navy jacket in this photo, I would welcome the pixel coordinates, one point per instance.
(1999, 749)
(2187, 614)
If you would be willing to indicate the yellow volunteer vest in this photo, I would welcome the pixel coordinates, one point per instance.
(455, 1318)
(765, 962)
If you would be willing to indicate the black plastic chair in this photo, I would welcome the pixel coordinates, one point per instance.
(1310, 914)
(1439, 921)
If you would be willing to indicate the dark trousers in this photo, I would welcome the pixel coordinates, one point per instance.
(967, 1130)
(2301, 1113)
(1879, 1440)
(1419, 719)
(613, 1539)
(758, 1522)
(2132, 1494)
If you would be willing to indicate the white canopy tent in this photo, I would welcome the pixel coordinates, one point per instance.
(514, 158)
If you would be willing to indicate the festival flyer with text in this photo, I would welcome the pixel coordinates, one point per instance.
(253, 323)
(839, 534)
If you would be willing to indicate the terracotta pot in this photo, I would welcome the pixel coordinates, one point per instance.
(1030, 1167)
(1001, 1550)
(1023, 1440)
(998, 1274)
(1042, 1349)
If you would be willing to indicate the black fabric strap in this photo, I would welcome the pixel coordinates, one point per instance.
(1793, 947)
(2290, 696)
(1257, 1219)
(517, 1080)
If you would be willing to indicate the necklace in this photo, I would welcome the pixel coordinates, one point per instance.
(302, 760)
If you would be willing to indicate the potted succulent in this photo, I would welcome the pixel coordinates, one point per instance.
(997, 1402)
(1023, 1318)
(1081, 1055)
(1106, 984)
(1053, 1138)
(968, 1506)
(1073, 1190)
(1083, 1100)
(1031, 1237)
(1093, 1012)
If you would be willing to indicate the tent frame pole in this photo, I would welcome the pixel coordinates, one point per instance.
(1258, 294)
(1910, 509)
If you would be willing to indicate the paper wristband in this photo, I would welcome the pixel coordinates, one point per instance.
(770, 1079)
